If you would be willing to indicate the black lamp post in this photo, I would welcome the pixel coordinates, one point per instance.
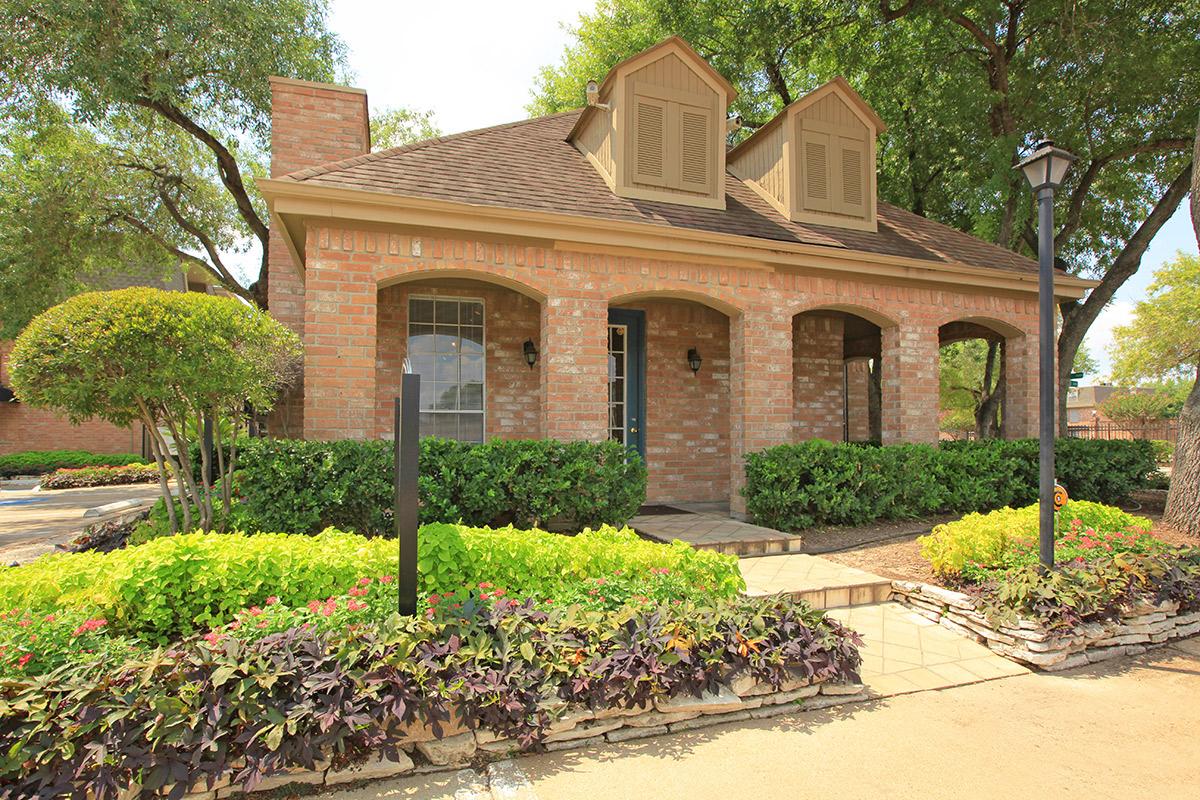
(1044, 169)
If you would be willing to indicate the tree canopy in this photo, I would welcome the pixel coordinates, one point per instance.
(1163, 339)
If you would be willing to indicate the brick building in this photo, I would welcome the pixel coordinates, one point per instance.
(612, 245)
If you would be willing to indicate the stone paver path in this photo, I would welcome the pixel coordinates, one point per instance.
(818, 581)
(714, 529)
(904, 652)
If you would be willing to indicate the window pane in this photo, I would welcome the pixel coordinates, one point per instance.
(470, 427)
(422, 365)
(446, 396)
(447, 339)
(446, 368)
(472, 341)
(447, 311)
(429, 395)
(420, 310)
(420, 338)
(471, 313)
(471, 397)
(472, 369)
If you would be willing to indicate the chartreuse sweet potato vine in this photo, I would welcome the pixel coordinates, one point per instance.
(177, 585)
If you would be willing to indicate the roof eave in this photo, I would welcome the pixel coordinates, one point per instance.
(296, 200)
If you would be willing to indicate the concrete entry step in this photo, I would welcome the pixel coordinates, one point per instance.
(817, 581)
(707, 526)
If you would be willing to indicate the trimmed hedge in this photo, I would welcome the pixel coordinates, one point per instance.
(305, 487)
(41, 462)
(176, 585)
(100, 476)
(797, 486)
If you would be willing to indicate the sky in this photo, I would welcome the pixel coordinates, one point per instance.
(473, 64)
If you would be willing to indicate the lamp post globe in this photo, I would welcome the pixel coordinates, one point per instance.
(1045, 169)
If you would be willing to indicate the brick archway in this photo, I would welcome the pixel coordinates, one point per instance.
(1017, 377)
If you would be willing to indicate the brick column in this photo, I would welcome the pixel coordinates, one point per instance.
(910, 401)
(339, 344)
(1022, 380)
(574, 368)
(760, 390)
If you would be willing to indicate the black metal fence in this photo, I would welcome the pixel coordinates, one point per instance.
(1166, 430)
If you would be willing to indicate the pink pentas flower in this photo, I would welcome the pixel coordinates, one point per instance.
(254, 611)
(358, 592)
(91, 625)
(212, 637)
(355, 605)
(50, 618)
(23, 660)
(272, 600)
(364, 581)
(314, 605)
(386, 579)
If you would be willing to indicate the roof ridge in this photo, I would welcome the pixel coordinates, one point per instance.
(366, 158)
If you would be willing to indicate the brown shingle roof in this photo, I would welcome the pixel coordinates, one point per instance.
(529, 165)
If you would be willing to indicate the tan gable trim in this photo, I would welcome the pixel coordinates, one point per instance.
(291, 199)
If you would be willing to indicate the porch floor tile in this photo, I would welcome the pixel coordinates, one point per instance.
(904, 652)
(710, 528)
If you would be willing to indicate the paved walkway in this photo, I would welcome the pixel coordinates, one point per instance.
(708, 526)
(1119, 729)
(818, 581)
(904, 652)
(32, 523)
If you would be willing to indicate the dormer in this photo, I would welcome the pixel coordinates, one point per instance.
(815, 161)
(655, 128)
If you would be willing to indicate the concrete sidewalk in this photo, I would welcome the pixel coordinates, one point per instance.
(33, 522)
(1113, 730)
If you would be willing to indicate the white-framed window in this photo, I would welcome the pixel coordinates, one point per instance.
(446, 348)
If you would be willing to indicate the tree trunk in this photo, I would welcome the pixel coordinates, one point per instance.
(1183, 500)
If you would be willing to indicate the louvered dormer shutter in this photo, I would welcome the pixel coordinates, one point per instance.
(695, 148)
(650, 141)
(816, 179)
(850, 176)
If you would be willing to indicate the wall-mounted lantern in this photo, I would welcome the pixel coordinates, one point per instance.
(531, 353)
(694, 359)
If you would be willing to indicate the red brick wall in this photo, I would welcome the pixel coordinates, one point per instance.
(687, 414)
(575, 291)
(512, 399)
(311, 124)
(858, 378)
(817, 375)
(24, 428)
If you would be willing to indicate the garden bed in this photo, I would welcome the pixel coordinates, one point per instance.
(1115, 588)
(1129, 631)
(251, 661)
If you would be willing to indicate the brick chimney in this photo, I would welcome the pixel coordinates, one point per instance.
(311, 124)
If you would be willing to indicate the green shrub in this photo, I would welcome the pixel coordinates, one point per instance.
(1164, 452)
(1002, 539)
(41, 462)
(305, 487)
(179, 584)
(797, 486)
(100, 476)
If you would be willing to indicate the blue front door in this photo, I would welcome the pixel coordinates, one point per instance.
(626, 377)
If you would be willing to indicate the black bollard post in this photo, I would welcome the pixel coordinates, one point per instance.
(407, 449)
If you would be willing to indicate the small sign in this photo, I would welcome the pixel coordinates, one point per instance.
(1060, 497)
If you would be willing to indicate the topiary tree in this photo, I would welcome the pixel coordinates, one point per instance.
(168, 360)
